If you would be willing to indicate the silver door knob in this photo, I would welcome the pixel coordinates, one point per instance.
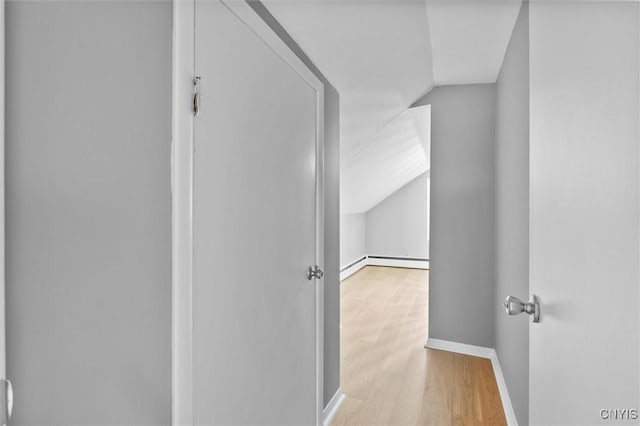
(314, 272)
(515, 306)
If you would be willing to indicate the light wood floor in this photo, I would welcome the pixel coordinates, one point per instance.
(387, 375)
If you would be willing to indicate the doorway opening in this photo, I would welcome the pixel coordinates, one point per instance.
(384, 290)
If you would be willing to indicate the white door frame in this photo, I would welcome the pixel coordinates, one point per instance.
(3, 334)
(182, 160)
(3, 331)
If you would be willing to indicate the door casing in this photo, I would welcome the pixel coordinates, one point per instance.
(3, 334)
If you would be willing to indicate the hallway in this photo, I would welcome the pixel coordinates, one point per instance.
(388, 377)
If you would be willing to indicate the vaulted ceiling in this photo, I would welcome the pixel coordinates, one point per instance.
(400, 150)
(382, 55)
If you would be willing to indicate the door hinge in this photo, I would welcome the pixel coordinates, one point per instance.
(7, 394)
(314, 272)
(196, 96)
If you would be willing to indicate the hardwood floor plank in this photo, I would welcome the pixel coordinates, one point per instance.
(387, 375)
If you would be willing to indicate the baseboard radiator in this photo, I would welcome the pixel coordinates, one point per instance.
(374, 260)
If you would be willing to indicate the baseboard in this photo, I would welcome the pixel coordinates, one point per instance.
(504, 392)
(396, 262)
(353, 267)
(482, 352)
(332, 407)
(461, 348)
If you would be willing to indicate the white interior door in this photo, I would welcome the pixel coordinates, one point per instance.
(255, 225)
(585, 73)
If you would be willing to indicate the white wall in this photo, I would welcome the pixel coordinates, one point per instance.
(352, 238)
(399, 225)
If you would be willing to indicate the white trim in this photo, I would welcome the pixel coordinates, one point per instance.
(246, 14)
(482, 352)
(332, 407)
(504, 392)
(355, 267)
(395, 263)
(398, 263)
(461, 348)
(3, 346)
(182, 201)
(182, 213)
(319, 283)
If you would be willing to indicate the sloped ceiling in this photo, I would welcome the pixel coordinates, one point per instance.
(382, 55)
(401, 149)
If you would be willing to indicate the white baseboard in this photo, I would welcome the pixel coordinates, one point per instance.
(461, 348)
(355, 267)
(482, 352)
(504, 392)
(382, 261)
(398, 263)
(332, 407)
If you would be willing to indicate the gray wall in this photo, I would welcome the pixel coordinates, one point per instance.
(331, 241)
(398, 226)
(461, 305)
(352, 238)
(331, 212)
(89, 211)
(512, 213)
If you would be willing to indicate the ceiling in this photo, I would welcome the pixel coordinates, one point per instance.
(381, 56)
(401, 149)
(469, 39)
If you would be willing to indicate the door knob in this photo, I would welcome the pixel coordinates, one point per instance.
(515, 306)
